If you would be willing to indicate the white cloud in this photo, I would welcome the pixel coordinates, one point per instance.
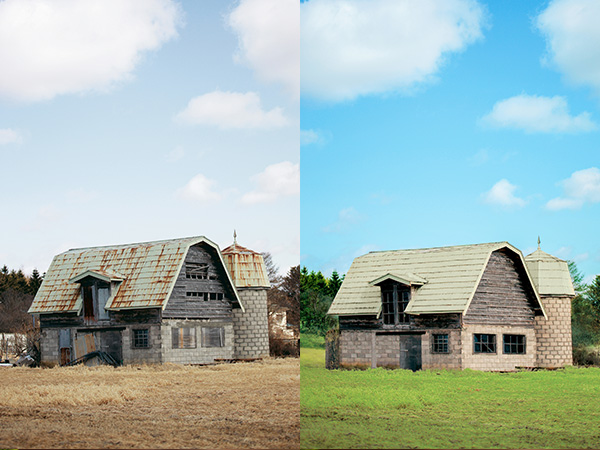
(346, 217)
(359, 47)
(277, 180)
(227, 110)
(502, 194)
(573, 39)
(536, 114)
(310, 137)
(8, 136)
(269, 40)
(49, 48)
(176, 154)
(580, 188)
(199, 189)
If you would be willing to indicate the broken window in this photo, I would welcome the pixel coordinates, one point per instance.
(205, 295)
(184, 337)
(141, 338)
(484, 343)
(514, 344)
(95, 295)
(213, 336)
(196, 271)
(439, 343)
(394, 299)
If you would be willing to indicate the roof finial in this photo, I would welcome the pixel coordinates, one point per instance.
(234, 238)
(539, 243)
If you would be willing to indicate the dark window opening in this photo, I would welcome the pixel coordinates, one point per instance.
(196, 271)
(205, 295)
(88, 303)
(484, 343)
(394, 301)
(183, 337)
(95, 295)
(141, 338)
(440, 343)
(514, 344)
(213, 337)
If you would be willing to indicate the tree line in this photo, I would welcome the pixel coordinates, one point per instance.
(316, 294)
(16, 294)
(585, 309)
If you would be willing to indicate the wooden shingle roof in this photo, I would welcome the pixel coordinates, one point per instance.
(448, 278)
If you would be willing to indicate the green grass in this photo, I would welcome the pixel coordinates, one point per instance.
(308, 340)
(380, 408)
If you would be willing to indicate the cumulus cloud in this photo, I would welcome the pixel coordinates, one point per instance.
(346, 217)
(49, 48)
(8, 136)
(502, 194)
(199, 188)
(228, 110)
(573, 39)
(269, 40)
(276, 181)
(583, 186)
(359, 47)
(537, 114)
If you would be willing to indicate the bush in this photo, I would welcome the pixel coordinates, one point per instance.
(310, 340)
(586, 356)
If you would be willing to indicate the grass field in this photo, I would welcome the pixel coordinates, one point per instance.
(380, 408)
(244, 405)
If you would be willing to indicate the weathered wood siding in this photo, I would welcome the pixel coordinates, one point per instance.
(182, 306)
(116, 318)
(420, 322)
(503, 296)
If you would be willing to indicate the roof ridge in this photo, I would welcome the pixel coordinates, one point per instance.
(440, 247)
(135, 244)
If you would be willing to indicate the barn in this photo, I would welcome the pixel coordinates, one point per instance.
(177, 300)
(481, 306)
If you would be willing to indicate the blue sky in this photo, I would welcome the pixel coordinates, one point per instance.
(126, 121)
(431, 123)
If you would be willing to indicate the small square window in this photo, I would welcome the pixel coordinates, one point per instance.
(484, 343)
(514, 344)
(440, 343)
(141, 338)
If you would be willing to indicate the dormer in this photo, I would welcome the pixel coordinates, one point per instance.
(97, 288)
(396, 293)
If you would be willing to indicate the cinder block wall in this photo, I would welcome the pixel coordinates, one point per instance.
(387, 350)
(251, 327)
(150, 355)
(450, 360)
(198, 355)
(497, 361)
(50, 353)
(555, 347)
(356, 347)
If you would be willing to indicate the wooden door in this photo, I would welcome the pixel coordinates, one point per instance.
(410, 352)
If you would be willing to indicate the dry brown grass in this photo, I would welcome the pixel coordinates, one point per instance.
(244, 405)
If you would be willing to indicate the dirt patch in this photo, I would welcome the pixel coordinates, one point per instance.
(243, 405)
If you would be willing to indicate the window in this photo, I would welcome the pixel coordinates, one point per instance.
(183, 337)
(205, 295)
(484, 343)
(141, 338)
(439, 343)
(196, 271)
(213, 336)
(95, 294)
(514, 344)
(394, 299)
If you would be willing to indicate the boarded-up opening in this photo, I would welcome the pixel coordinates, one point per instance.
(64, 343)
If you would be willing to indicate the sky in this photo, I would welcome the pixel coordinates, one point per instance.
(428, 123)
(127, 121)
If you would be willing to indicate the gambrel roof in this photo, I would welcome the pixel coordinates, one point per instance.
(445, 278)
(142, 275)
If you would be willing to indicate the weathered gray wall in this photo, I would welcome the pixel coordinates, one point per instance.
(251, 327)
(198, 355)
(555, 347)
(450, 360)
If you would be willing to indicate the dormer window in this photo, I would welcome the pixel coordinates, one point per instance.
(394, 300)
(96, 286)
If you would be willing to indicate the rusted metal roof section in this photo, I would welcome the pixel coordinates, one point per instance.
(143, 274)
(445, 278)
(246, 267)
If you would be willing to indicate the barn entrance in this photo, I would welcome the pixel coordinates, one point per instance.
(397, 350)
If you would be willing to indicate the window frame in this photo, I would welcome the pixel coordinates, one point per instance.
(206, 338)
(488, 344)
(515, 344)
(180, 342)
(446, 344)
(395, 297)
(135, 339)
